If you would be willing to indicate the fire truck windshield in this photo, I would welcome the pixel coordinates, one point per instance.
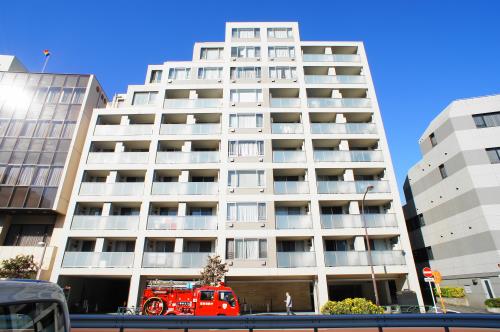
(227, 297)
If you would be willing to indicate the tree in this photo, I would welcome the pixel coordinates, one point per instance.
(20, 267)
(213, 273)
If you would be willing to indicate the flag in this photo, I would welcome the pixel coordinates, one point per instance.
(46, 52)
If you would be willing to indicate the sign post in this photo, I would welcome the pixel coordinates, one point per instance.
(437, 281)
(427, 272)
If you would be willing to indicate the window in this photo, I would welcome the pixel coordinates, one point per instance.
(494, 155)
(432, 137)
(53, 95)
(245, 73)
(246, 96)
(246, 148)
(145, 98)
(252, 120)
(442, 171)
(279, 33)
(246, 249)
(281, 52)
(246, 211)
(210, 73)
(179, 73)
(156, 76)
(487, 120)
(212, 53)
(245, 52)
(246, 33)
(78, 95)
(66, 95)
(206, 295)
(285, 73)
(246, 179)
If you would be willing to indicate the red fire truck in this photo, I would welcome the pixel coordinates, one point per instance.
(171, 298)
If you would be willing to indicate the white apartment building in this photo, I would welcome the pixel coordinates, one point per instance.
(258, 150)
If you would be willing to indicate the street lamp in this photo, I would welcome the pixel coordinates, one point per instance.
(39, 272)
(367, 239)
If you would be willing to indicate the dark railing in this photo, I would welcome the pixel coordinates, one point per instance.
(313, 322)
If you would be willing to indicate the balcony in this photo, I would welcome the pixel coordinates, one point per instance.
(288, 156)
(84, 222)
(123, 130)
(79, 259)
(338, 102)
(287, 128)
(285, 102)
(185, 188)
(352, 187)
(331, 58)
(293, 221)
(360, 258)
(190, 129)
(175, 259)
(181, 157)
(111, 189)
(291, 187)
(335, 79)
(348, 156)
(182, 222)
(193, 103)
(118, 157)
(330, 221)
(343, 128)
(296, 259)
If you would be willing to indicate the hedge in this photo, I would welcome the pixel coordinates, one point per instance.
(493, 303)
(453, 292)
(351, 306)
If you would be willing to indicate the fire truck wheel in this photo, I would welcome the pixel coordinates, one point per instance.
(154, 306)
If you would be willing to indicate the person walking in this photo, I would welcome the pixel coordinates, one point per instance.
(289, 304)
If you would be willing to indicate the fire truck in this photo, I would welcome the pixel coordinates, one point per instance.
(174, 298)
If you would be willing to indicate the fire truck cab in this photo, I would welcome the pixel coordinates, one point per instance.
(200, 300)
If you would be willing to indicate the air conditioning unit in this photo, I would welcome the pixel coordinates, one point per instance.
(230, 263)
(261, 190)
(295, 80)
(271, 59)
(259, 130)
(264, 263)
(233, 81)
(230, 224)
(258, 81)
(231, 159)
(259, 104)
(170, 81)
(261, 159)
(233, 59)
(293, 59)
(273, 80)
(231, 130)
(263, 224)
(233, 104)
(219, 80)
(231, 190)
(258, 59)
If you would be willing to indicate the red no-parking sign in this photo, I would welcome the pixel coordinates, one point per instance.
(427, 272)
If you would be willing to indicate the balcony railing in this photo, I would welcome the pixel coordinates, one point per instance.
(175, 259)
(111, 189)
(291, 187)
(347, 156)
(285, 102)
(331, 58)
(190, 129)
(185, 188)
(352, 187)
(118, 157)
(343, 128)
(181, 157)
(182, 222)
(293, 221)
(296, 259)
(98, 259)
(83, 222)
(360, 258)
(287, 128)
(123, 130)
(335, 79)
(329, 221)
(193, 103)
(287, 156)
(338, 102)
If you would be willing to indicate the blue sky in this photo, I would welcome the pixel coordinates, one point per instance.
(423, 54)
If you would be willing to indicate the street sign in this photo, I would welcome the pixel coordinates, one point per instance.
(437, 277)
(427, 272)
(429, 279)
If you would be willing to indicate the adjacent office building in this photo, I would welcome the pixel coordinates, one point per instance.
(258, 150)
(453, 198)
(43, 124)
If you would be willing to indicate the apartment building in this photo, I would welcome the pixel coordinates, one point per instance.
(43, 124)
(452, 197)
(258, 150)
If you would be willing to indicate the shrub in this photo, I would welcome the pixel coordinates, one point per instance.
(351, 306)
(20, 267)
(493, 303)
(453, 292)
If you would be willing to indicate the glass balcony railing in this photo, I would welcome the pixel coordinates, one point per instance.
(343, 128)
(185, 188)
(293, 221)
(190, 129)
(331, 58)
(181, 222)
(285, 102)
(175, 259)
(348, 156)
(335, 79)
(360, 258)
(83, 222)
(352, 187)
(193, 103)
(287, 128)
(123, 130)
(330, 221)
(111, 189)
(287, 156)
(118, 157)
(181, 157)
(97, 259)
(296, 259)
(291, 187)
(338, 102)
